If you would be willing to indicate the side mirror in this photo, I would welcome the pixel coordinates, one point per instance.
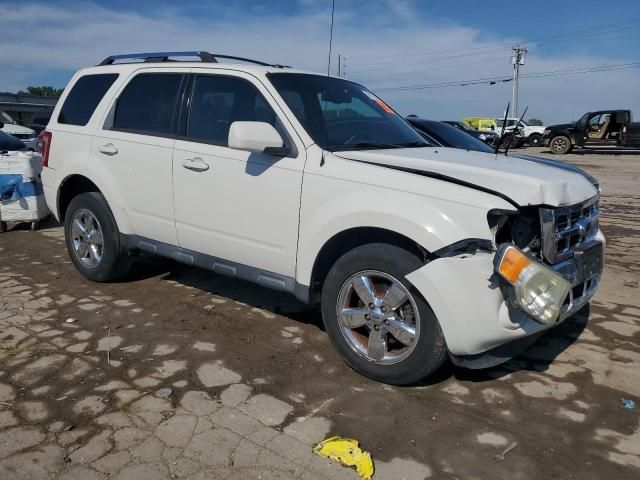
(259, 137)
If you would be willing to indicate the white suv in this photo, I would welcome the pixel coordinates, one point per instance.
(313, 185)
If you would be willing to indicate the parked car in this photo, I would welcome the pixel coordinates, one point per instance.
(483, 124)
(444, 135)
(531, 134)
(24, 134)
(9, 143)
(490, 138)
(612, 128)
(313, 185)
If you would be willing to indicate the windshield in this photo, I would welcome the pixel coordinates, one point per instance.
(583, 118)
(462, 126)
(450, 136)
(6, 118)
(342, 115)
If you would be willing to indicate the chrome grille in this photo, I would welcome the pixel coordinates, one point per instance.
(566, 228)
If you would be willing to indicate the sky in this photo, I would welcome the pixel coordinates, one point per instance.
(387, 44)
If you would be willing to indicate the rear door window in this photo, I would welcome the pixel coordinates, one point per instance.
(218, 101)
(148, 104)
(84, 97)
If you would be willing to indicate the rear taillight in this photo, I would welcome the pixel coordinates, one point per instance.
(44, 143)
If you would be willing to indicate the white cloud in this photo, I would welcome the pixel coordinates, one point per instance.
(384, 45)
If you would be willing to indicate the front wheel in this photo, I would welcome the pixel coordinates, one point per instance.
(560, 145)
(534, 139)
(93, 239)
(377, 321)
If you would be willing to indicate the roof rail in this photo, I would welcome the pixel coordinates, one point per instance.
(166, 57)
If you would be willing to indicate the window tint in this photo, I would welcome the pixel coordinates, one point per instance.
(84, 98)
(220, 101)
(148, 103)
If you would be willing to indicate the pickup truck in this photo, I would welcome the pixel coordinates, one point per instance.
(531, 134)
(613, 128)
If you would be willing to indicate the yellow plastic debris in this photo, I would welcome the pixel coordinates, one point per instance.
(348, 453)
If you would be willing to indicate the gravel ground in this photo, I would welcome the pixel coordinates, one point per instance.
(179, 373)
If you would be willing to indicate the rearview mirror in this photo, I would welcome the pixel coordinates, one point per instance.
(259, 137)
(336, 95)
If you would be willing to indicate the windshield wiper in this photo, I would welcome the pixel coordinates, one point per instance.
(413, 145)
(375, 145)
(362, 146)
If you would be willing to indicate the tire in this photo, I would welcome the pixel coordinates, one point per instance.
(534, 139)
(560, 145)
(3, 227)
(87, 219)
(513, 142)
(404, 362)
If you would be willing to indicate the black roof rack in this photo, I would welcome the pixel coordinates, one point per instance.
(167, 57)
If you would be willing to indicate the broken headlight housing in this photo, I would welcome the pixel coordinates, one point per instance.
(538, 290)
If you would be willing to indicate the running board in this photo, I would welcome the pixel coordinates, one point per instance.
(220, 266)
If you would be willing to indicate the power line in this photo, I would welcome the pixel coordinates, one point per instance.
(505, 79)
(496, 47)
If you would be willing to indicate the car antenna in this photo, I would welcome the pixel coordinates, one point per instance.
(324, 109)
(504, 124)
(515, 130)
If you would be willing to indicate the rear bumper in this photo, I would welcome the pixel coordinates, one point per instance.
(475, 317)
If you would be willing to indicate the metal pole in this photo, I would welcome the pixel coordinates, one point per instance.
(517, 59)
(339, 65)
(516, 74)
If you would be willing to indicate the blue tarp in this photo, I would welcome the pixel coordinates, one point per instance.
(14, 187)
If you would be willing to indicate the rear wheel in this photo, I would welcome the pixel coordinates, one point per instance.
(377, 320)
(560, 145)
(93, 239)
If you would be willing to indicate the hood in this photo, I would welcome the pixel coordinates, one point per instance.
(564, 166)
(9, 143)
(561, 126)
(12, 128)
(524, 183)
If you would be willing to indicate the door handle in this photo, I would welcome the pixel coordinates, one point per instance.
(108, 149)
(195, 164)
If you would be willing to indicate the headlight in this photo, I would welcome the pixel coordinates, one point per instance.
(539, 291)
(547, 131)
(482, 136)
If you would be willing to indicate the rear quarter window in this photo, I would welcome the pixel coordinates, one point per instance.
(84, 97)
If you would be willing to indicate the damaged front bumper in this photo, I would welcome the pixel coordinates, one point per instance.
(477, 313)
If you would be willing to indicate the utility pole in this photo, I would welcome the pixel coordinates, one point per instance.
(517, 59)
(342, 66)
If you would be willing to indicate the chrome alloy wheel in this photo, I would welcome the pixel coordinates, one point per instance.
(378, 317)
(87, 238)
